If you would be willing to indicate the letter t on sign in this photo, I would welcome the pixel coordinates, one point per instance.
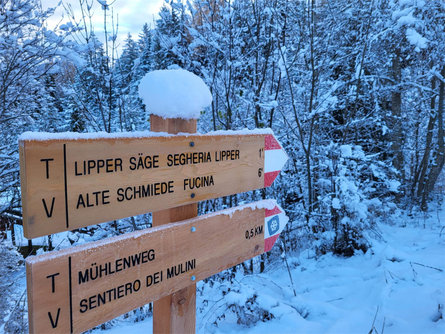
(47, 165)
(175, 313)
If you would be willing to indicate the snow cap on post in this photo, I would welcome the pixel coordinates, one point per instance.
(174, 93)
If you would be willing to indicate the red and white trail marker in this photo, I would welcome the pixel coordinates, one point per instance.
(274, 159)
(274, 222)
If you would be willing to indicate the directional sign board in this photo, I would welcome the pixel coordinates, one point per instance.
(71, 182)
(80, 287)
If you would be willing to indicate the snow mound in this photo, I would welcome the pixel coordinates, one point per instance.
(174, 93)
(416, 39)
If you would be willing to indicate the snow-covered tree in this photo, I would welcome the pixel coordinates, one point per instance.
(145, 61)
(29, 58)
(170, 40)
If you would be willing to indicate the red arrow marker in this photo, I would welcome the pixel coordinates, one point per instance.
(274, 159)
(274, 222)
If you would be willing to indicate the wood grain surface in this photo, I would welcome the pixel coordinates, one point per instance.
(80, 287)
(175, 313)
(68, 184)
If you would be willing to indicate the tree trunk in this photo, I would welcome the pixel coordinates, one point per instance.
(429, 172)
(440, 153)
(396, 113)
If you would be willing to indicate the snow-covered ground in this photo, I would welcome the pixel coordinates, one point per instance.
(399, 287)
(396, 287)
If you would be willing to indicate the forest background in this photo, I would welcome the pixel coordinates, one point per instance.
(354, 90)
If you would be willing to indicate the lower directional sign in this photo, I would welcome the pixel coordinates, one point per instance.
(78, 288)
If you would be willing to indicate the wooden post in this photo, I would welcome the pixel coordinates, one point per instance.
(175, 313)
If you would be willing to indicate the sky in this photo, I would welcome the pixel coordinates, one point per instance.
(132, 14)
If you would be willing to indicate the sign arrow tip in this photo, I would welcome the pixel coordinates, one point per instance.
(275, 221)
(274, 160)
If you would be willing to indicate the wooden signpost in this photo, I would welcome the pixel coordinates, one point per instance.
(175, 312)
(75, 289)
(68, 183)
